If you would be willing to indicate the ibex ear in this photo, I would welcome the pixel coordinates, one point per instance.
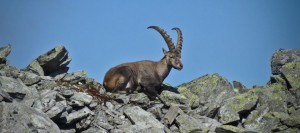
(165, 51)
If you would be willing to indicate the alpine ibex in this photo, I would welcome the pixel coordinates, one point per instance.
(146, 74)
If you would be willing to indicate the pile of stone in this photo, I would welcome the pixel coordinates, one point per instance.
(44, 97)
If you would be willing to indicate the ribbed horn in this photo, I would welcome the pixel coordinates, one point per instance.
(179, 39)
(165, 36)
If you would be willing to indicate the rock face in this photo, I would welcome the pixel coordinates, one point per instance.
(54, 61)
(45, 98)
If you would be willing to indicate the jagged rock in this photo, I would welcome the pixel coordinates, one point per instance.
(122, 98)
(239, 86)
(235, 106)
(172, 113)
(209, 91)
(67, 93)
(57, 109)
(101, 120)
(174, 98)
(5, 96)
(29, 78)
(75, 77)
(4, 52)
(95, 130)
(188, 123)
(19, 118)
(261, 120)
(54, 61)
(68, 131)
(156, 110)
(232, 129)
(140, 98)
(82, 97)
(84, 123)
(18, 90)
(291, 72)
(139, 116)
(282, 57)
(78, 115)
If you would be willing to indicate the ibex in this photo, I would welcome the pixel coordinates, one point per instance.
(146, 74)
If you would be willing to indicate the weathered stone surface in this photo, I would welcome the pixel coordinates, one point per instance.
(54, 61)
(234, 106)
(82, 97)
(141, 117)
(19, 118)
(232, 129)
(75, 77)
(209, 90)
(291, 72)
(4, 52)
(171, 114)
(59, 108)
(282, 57)
(174, 98)
(261, 120)
(29, 78)
(18, 90)
(95, 130)
(140, 98)
(196, 123)
(239, 87)
(78, 115)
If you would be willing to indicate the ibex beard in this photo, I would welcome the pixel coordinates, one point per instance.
(146, 75)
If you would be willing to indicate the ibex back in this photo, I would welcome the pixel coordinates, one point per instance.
(148, 75)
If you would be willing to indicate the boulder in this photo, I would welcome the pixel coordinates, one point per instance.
(233, 107)
(282, 57)
(188, 123)
(53, 62)
(18, 90)
(208, 92)
(4, 52)
(19, 118)
(138, 116)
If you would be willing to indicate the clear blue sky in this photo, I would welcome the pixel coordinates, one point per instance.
(233, 38)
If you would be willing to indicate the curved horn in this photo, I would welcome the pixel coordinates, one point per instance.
(165, 36)
(179, 39)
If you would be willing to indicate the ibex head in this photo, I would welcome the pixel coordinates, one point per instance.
(173, 56)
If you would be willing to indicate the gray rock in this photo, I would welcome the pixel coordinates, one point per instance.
(282, 57)
(4, 52)
(239, 87)
(75, 77)
(188, 123)
(78, 115)
(156, 110)
(82, 97)
(67, 93)
(95, 130)
(140, 98)
(291, 72)
(261, 120)
(18, 90)
(122, 98)
(232, 129)
(138, 128)
(36, 68)
(19, 118)
(234, 106)
(171, 114)
(56, 110)
(68, 131)
(84, 123)
(174, 98)
(29, 78)
(54, 61)
(209, 91)
(5, 96)
(141, 117)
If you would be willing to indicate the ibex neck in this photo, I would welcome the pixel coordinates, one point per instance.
(163, 69)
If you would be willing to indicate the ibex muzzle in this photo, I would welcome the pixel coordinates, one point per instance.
(148, 75)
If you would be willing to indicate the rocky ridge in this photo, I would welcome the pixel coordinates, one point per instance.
(44, 97)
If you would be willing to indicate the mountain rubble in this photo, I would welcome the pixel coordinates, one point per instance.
(44, 97)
